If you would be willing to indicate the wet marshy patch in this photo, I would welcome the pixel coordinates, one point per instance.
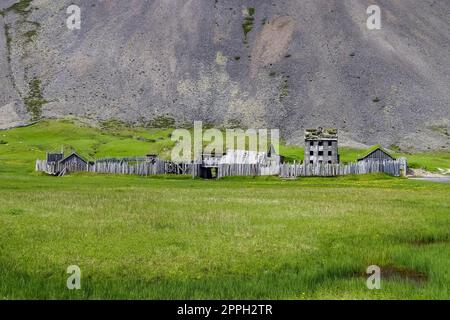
(430, 240)
(425, 240)
(161, 225)
(392, 272)
(14, 211)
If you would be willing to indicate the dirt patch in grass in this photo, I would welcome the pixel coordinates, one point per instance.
(394, 272)
(391, 272)
(424, 173)
(427, 241)
(424, 239)
(15, 211)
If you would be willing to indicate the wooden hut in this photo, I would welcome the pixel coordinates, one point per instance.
(151, 157)
(73, 159)
(54, 157)
(376, 153)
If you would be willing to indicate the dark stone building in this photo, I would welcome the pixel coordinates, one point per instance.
(321, 146)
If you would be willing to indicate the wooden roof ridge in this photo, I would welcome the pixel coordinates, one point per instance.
(373, 149)
(73, 153)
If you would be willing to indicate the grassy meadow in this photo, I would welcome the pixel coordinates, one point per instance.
(171, 237)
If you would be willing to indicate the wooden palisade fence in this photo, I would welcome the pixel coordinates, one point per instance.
(285, 170)
(141, 168)
(393, 168)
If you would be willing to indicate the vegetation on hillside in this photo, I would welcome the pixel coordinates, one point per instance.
(34, 101)
(247, 24)
(111, 139)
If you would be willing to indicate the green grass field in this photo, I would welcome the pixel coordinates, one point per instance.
(174, 237)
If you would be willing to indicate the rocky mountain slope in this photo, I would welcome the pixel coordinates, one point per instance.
(284, 64)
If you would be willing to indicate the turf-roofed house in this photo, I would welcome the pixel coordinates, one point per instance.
(58, 165)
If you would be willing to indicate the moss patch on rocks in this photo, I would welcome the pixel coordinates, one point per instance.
(34, 101)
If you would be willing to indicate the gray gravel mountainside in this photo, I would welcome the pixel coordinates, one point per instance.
(285, 64)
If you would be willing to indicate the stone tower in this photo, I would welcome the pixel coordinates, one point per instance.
(321, 146)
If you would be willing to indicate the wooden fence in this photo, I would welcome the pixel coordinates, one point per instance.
(289, 170)
(394, 168)
(286, 170)
(119, 167)
(228, 170)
